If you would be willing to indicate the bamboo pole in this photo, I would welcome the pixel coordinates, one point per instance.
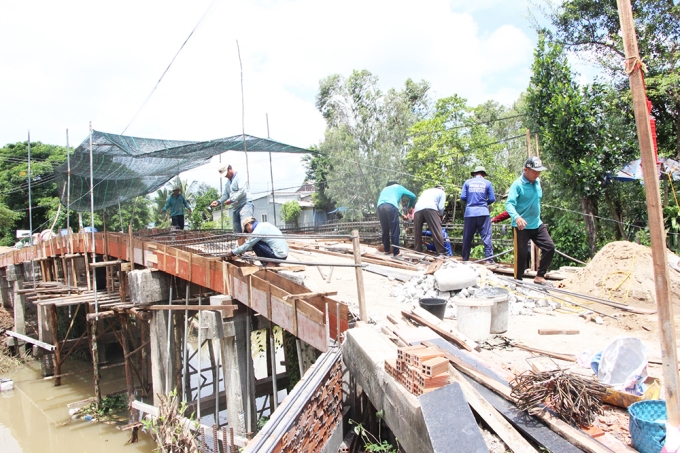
(657, 233)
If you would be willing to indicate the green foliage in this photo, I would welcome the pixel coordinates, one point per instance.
(290, 211)
(671, 217)
(584, 134)
(106, 410)
(367, 135)
(592, 29)
(319, 167)
(372, 443)
(456, 138)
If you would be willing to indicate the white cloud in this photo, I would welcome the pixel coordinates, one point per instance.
(63, 64)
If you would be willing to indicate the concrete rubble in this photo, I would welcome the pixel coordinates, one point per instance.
(456, 281)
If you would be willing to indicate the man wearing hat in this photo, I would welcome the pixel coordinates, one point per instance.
(236, 195)
(430, 209)
(176, 204)
(524, 207)
(477, 194)
(265, 247)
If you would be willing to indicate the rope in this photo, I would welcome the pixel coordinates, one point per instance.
(675, 195)
(633, 63)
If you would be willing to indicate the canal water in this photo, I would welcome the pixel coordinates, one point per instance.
(34, 415)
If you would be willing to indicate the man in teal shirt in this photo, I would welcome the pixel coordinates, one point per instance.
(175, 204)
(388, 214)
(524, 207)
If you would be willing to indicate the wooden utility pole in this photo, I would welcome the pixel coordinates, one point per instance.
(669, 355)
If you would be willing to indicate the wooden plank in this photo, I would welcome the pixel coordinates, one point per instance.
(555, 355)
(359, 275)
(105, 263)
(558, 332)
(656, 226)
(434, 267)
(491, 416)
(573, 435)
(303, 295)
(228, 309)
(28, 339)
(424, 318)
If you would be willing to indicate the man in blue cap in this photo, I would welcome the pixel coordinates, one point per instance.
(477, 194)
(524, 207)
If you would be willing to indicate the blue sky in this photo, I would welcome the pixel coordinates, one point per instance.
(63, 64)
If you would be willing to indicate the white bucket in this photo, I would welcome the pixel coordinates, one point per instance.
(499, 312)
(474, 318)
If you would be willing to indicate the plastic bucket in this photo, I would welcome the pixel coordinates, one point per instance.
(499, 312)
(435, 306)
(474, 318)
(647, 425)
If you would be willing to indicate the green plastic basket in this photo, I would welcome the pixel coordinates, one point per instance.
(647, 425)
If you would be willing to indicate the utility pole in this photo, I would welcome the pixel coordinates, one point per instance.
(669, 355)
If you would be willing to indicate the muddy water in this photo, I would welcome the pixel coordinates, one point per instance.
(34, 417)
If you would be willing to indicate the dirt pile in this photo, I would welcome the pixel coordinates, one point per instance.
(623, 272)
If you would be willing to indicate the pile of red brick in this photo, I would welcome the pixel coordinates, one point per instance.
(418, 368)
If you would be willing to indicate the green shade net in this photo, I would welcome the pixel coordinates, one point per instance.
(125, 167)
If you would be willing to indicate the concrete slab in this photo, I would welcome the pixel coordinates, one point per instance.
(364, 354)
(450, 422)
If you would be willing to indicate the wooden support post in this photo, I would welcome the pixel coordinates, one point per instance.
(129, 379)
(144, 333)
(52, 318)
(358, 271)
(669, 355)
(87, 271)
(92, 327)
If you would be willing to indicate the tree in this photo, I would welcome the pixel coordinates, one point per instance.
(577, 136)
(366, 136)
(202, 213)
(14, 186)
(449, 144)
(290, 211)
(319, 167)
(591, 28)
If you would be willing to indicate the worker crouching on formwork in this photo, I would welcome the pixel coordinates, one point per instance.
(264, 247)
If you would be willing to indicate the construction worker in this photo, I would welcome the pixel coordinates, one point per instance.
(236, 195)
(430, 209)
(388, 214)
(176, 204)
(478, 194)
(265, 247)
(524, 207)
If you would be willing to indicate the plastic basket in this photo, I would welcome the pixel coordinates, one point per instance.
(647, 425)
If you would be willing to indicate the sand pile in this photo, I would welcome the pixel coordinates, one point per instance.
(621, 269)
(6, 320)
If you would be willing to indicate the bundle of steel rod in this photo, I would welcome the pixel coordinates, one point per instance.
(576, 399)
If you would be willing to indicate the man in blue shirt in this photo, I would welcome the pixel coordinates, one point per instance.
(477, 194)
(176, 204)
(524, 207)
(265, 247)
(237, 195)
(388, 214)
(430, 209)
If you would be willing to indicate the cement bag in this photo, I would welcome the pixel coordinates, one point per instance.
(624, 365)
(455, 278)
